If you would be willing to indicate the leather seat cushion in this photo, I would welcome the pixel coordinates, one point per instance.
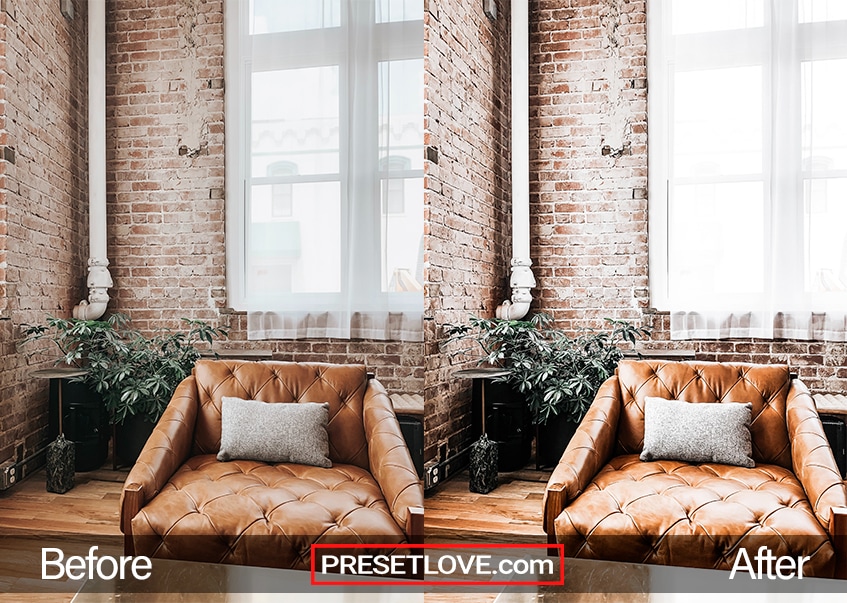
(675, 513)
(254, 513)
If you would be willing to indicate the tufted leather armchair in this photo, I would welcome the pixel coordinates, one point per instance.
(180, 502)
(602, 502)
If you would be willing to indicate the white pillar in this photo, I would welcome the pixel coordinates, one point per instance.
(520, 130)
(99, 280)
(522, 280)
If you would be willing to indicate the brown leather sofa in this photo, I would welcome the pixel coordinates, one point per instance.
(180, 502)
(602, 502)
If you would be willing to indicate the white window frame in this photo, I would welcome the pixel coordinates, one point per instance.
(302, 49)
(660, 143)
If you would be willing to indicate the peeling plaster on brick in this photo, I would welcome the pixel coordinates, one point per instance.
(194, 131)
(617, 127)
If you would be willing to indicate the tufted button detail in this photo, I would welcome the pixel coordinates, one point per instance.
(308, 501)
(766, 387)
(246, 512)
(648, 512)
(603, 502)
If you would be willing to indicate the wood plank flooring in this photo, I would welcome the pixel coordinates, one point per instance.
(31, 518)
(509, 514)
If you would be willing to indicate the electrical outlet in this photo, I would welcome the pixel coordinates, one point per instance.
(432, 475)
(8, 475)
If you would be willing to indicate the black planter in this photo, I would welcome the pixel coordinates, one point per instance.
(130, 437)
(553, 438)
(85, 421)
(507, 418)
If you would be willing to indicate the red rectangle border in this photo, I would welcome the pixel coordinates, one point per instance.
(559, 548)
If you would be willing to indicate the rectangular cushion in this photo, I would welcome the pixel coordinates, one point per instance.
(274, 433)
(697, 433)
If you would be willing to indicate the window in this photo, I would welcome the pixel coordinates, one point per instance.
(748, 167)
(325, 166)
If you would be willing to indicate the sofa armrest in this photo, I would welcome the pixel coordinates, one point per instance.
(812, 458)
(389, 458)
(415, 525)
(165, 451)
(839, 541)
(589, 449)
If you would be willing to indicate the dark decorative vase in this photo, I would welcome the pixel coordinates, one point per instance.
(60, 465)
(130, 437)
(483, 466)
(553, 438)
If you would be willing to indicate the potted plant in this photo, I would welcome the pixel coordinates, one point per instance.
(135, 375)
(558, 375)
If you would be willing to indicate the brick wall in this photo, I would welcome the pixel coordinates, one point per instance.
(4, 143)
(589, 206)
(589, 209)
(165, 120)
(467, 195)
(166, 207)
(43, 218)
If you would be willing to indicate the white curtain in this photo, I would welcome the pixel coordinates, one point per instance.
(334, 187)
(751, 186)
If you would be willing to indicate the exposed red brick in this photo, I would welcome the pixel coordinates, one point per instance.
(42, 215)
(467, 195)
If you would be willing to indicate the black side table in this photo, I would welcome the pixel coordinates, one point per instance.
(78, 412)
(507, 418)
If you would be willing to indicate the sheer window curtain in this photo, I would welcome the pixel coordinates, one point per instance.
(333, 209)
(749, 168)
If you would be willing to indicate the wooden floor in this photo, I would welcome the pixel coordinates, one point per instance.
(31, 518)
(509, 514)
(88, 515)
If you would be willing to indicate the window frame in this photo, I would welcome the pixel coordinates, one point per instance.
(789, 293)
(404, 42)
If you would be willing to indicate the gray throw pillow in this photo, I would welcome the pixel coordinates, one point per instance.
(697, 433)
(274, 432)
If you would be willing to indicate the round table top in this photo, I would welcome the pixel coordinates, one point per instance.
(58, 373)
(482, 373)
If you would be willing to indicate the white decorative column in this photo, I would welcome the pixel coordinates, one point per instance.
(522, 279)
(99, 280)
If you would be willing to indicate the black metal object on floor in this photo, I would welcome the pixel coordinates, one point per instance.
(60, 465)
(483, 466)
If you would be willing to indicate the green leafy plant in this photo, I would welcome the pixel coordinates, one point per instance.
(559, 375)
(136, 375)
